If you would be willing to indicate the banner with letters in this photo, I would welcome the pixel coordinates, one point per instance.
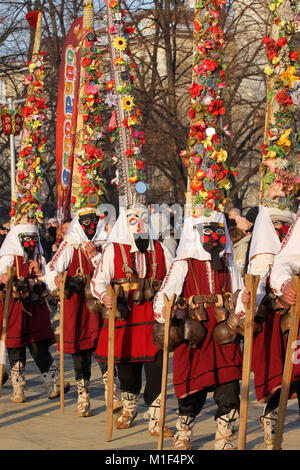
(67, 103)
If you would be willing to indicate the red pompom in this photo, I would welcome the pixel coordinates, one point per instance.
(32, 18)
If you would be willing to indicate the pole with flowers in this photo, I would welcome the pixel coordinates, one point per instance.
(205, 158)
(278, 175)
(126, 134)
(87, 178)
(27, 199)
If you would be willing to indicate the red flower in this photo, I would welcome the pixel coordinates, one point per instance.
(191, 113)
(281, 41)
(271, 47)
(210, 65)
(140, 164)
(283, 98)
(294, 55)
(195, 90)
(215, 107)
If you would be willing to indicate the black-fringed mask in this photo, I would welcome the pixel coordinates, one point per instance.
(213, 239)
(89, 222)
(29, 242)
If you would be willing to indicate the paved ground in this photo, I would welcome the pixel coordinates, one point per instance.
(38, 424)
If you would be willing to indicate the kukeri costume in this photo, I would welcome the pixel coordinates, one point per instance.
(137, 262)
(270, 341)
(81, 327)
(203, 281)
(29, 323)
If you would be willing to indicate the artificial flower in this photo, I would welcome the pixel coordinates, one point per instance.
(127, 103)
(120, 43)
(284, 139)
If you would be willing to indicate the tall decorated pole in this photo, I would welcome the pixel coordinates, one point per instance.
(66, 117)
(278, 176)
(124, 126)
(205, 158)
(27, 200)
(87, 182)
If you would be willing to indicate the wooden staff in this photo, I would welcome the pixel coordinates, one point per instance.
(113, 293)
(61, 339)
(288, 366)
(251, 283)
(10, 273)
(168, 307)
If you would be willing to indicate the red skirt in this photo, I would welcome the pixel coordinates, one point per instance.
(81, 327)
(133, 337)
(22, 328)
(208, 366)
(268, 356)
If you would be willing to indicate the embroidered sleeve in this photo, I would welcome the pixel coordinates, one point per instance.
(59, 263)
(5, 262)
(104, 272)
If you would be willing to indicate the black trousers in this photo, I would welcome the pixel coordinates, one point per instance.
(82, 361)
(39, 352)
(130, 377)
(273, 402)
(226, 396)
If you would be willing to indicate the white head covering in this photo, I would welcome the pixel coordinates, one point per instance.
(76, 236)
(264, 237)
(120, 232)
(190, 245)
(12, 245)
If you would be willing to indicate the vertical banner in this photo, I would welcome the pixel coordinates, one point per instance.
(67, 103)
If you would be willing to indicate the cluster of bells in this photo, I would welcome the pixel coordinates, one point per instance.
(137, 291)
(188, 323)
(26, 291)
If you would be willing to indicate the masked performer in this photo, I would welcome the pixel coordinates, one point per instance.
(29, 322)
(136, 261)
(78, 255)
(203, 277)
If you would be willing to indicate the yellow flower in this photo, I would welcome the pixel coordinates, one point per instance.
(132, 121)
(207, 142)
(289, 77)
(32, 66)
(271, 154)
(222, 156)
(268, 70)
(127, 102)
(284, 139)
(272, 7)
(275, 60)
(203, 194)
(120, 43)
(224, 183)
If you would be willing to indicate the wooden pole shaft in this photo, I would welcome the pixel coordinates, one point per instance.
(251, 283)
(168, 307)
(10, 272)
(288, 366)
(111, 361)
(61, 340)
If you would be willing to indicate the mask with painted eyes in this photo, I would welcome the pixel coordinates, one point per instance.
(89, 222)
(213, 239)
(281, 229)
(29, 242)
(138, 224)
